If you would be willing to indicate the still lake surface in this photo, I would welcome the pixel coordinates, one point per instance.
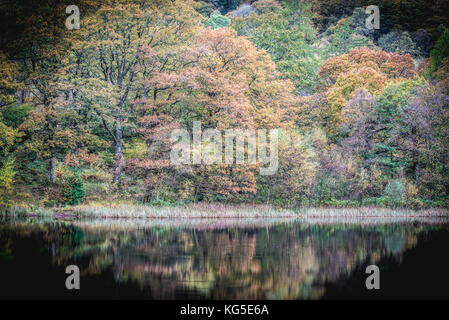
(224, 259)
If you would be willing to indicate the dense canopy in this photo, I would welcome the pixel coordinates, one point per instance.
(86, 114)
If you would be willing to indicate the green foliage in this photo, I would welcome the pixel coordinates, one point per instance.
(7, 173)
(395, 192)
(440, 51)
(335, 203)
(8, 80)
(162, 202)
(389, 109)
(14, 115)
(287, 33)
(216, 20)
(399, 42)
(205, 8)
(344, 36)
(73, 190)
(7, 137)
(394, 98)
(293, 183)
(7, 170)
(136, 148)
(158, 202)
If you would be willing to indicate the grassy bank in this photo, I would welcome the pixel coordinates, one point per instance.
(217, 210)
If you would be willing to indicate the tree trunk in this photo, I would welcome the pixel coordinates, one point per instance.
(118, 153)
(52, 165)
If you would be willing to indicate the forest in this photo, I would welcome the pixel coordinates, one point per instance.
(86, 113)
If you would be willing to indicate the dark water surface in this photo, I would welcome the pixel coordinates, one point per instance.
(218, 259)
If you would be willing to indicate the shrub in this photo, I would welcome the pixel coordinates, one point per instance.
(369, 202)
(96, 190)
(159, 202)
(399, 42)
(381, 202)
(216, 21)
(73, 190)
(345, 203)
(415, 203)
(395, 193)
(6, 177)
(96, 175)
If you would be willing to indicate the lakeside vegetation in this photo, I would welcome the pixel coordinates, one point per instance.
(86, 115)
(218, 211)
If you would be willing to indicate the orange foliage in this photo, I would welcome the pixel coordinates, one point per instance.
(221, 80)
(362, 68)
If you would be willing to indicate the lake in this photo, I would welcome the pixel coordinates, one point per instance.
(224, 258)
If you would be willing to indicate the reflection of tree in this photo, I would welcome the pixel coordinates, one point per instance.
(284, 261)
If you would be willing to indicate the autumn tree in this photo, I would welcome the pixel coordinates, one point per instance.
(8, 80)
(39, 51)
(8, 135)
(293, 184)
(224, 82)
(7, 172)
(110, 42)
(421, 135)
(362, 68)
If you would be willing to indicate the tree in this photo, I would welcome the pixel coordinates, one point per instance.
(421, 135)
(8, 80)
(395, 192)
(110, 43)
(362, 68)
(423, 41)
(223, 81)
(224, 5)
(439, 52)
(286, 32)
(216, 20)
(342, 38)
(369, 127)
(404, 15)
(298, 167)
(399, 42)
(7, 172)
(39, 51)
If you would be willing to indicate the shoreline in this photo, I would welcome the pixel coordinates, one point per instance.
(221, 211)
(222, 224)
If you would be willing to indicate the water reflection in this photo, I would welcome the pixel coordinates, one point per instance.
(212, 259)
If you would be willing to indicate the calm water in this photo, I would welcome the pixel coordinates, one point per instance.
(223, 259)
